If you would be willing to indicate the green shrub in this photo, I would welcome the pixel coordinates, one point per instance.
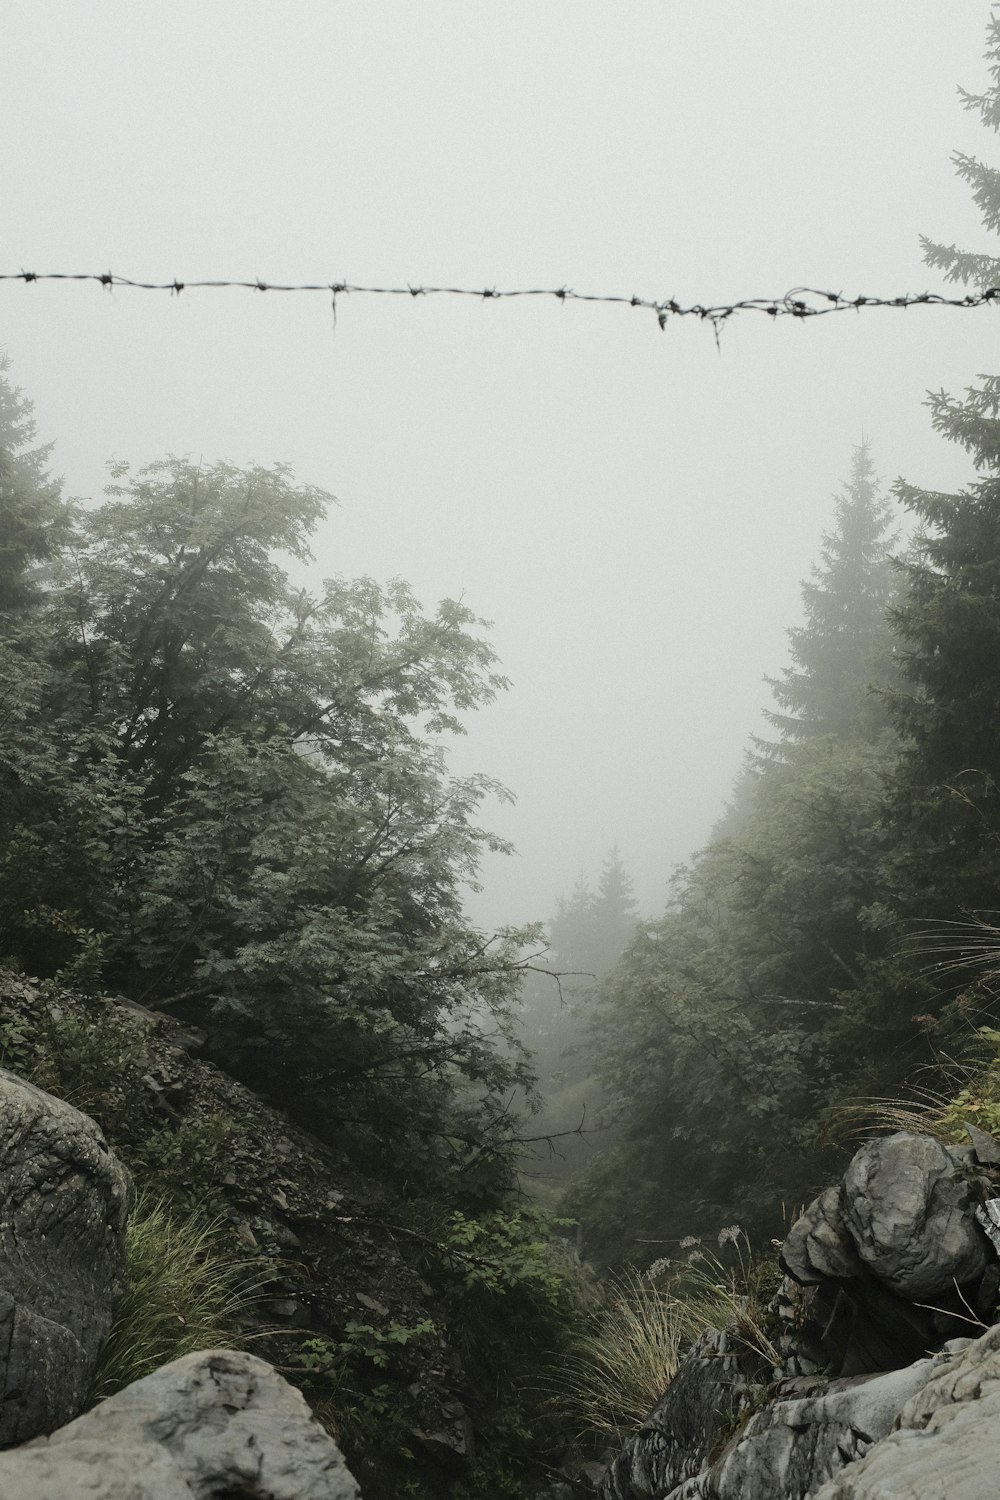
(82, 947)
(512, 1295)
(93, 1059)
(17, 1048)
(966, 1093)
(186, 1162)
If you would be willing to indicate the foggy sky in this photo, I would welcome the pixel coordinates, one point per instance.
(633, 509)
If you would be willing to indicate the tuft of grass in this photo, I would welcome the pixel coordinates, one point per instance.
(646, 1322)
(622, 1365)
(187, 1292)
(967, 1093)
(732, 1297)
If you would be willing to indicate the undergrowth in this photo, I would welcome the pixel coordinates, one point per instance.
(944, 1115)
(187, 1292)
(645, 1322)
(623, 1363)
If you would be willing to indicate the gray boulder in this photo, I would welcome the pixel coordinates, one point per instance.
(819, 1243)
(211, 1424)
(892, 1259)
(65, 1200)
(947, 1442)
(909, 1216)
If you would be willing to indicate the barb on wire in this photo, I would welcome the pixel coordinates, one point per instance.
(801, 302)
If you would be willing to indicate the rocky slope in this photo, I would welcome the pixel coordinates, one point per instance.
(339, 1271)
(213, 1423)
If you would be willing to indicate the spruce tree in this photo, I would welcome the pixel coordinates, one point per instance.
(945, 806)
(844, 648)
(33, 517)
(590, 930)
(946, 801)
(976, 268)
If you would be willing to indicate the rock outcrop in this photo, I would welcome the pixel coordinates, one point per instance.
(704, 1402)
(893, 1259)
(693, 1419)
(808, 1432)
(65, 1200)
(946, 1445)
(208, 1425)
(882, 1395)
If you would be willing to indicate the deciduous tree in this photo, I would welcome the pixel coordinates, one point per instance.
(237, 789)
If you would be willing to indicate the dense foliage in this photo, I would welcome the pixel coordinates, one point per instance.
(226, 796)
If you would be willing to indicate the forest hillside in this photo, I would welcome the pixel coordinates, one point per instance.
(233, 928)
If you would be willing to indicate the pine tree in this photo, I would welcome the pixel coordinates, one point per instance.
(945, 808)
(590, 930)
(946, 802)
(617, 908)
(968, 267)
(844, 648)
(33, 517)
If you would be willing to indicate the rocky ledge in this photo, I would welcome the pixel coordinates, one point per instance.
(881, 1393)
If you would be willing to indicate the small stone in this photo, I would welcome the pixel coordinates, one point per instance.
(987, 1149)
(371, 1304)
(286, 1238)
(286, 1308)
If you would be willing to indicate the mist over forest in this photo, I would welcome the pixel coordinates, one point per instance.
(544, 751)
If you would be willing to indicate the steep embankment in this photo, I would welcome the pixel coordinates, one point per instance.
(365, 1311)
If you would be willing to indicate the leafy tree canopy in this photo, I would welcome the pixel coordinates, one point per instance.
(230, 795)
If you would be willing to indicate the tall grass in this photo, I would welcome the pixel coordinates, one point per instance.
(187, 1292)
(646, 1322)
(622, 1365)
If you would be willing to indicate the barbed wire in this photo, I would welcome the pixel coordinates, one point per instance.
(801, 302)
